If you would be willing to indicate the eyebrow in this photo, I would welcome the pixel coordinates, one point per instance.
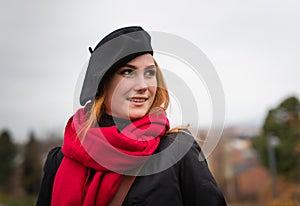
(134, 67)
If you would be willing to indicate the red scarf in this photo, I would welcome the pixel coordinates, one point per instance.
(88, 174)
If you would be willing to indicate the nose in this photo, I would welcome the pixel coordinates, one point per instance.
(140, 84)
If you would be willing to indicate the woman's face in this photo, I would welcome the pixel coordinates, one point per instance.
(132, 89)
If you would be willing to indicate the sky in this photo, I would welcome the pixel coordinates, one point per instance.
(254, 47)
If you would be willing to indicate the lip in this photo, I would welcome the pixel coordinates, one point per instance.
(138, 100)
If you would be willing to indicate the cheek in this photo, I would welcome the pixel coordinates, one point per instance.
(111, 93)
(153, 87)
(116, 88)
(118, 95)
(153, 90)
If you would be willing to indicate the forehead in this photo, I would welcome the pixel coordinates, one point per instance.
(142, 61)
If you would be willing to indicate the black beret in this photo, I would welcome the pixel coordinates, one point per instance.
(112, 52)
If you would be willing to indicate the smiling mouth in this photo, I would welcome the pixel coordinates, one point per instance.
(138, 100)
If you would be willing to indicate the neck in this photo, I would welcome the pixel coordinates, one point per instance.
(107, 120)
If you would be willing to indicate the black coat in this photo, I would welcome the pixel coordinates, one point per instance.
(187, 183)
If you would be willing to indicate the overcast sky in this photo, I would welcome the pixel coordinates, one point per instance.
(253, 45)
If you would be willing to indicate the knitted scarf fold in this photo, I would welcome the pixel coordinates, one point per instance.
(92, 167)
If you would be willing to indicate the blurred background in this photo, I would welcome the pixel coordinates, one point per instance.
(253, 45)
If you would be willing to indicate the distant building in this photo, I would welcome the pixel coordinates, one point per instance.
(236, 167)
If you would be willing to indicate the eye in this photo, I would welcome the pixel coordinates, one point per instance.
(127, 72)
(151, 72)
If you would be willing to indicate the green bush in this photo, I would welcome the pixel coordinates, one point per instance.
(10, 200)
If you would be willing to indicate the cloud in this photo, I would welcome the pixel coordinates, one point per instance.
(253, 45)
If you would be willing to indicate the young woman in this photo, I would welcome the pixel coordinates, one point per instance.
(118, 149)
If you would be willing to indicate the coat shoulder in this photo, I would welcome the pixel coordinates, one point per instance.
(51, 166)
(53, 160)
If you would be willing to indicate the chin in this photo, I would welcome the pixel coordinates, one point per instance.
(137, 114)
